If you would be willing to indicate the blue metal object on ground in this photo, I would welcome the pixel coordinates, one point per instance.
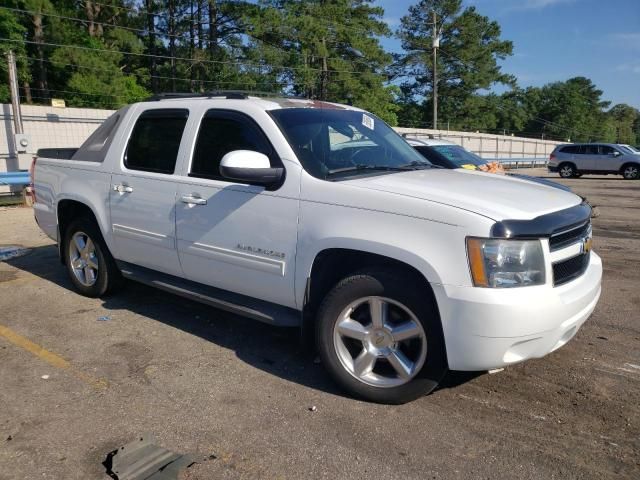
(15, 178)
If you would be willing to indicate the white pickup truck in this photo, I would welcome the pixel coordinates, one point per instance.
(312, 214)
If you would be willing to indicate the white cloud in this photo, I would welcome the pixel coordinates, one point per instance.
(514, 5)
(629, 67)
(528, 4)
(391, 21)
(626, 40)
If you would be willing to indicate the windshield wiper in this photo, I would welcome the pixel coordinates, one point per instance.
(416, 164)
(381, 168)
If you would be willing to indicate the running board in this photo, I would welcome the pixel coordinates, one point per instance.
(256, 309)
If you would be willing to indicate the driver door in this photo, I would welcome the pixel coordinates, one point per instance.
(237, 237)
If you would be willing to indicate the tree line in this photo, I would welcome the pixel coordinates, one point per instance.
(108, 53)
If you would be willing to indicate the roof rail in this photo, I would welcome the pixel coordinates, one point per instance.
(229, 94)
(218, 93)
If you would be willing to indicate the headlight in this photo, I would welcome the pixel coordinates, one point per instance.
(502, 263)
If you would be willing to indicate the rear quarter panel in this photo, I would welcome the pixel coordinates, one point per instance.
(85, 182)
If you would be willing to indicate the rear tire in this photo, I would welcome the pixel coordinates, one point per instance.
(630, 171)
(392, 357)
(91, 268)
(567, 170)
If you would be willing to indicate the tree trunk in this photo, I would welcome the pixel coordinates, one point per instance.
(213, 28)
(192, 45)
(200, 33)
(324, 79)
(93, 10)
(27, 92)
(38, 38)
(172, 42)
(151, 27)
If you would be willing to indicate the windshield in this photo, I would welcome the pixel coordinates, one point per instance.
(630, 148)
(458, 155)
(336, 143)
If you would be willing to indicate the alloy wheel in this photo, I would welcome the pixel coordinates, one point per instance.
(83, 259)
(566, 171)
(380, 342)
(630, 172)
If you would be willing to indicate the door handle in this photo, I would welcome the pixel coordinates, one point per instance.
(122, 189)
(192, 200)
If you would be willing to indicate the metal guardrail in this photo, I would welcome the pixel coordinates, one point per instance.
(516, 163)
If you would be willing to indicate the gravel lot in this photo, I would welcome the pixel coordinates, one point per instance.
(238, 393)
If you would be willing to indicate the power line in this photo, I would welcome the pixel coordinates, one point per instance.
(239, 2)
(184, 37)
(163, 77)
(168, 57)
(539, 120)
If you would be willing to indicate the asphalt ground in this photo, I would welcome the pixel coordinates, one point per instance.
(239, 394)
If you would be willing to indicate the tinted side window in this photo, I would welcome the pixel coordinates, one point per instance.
(222, 132)
(572, 149)
(155, 140)
(590, 149)
(606, 150)
(433, 156)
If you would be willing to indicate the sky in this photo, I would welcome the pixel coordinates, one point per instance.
(555, 40)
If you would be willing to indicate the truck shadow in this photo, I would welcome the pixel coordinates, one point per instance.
(278, 351)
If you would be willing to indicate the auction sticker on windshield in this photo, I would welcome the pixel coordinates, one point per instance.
(367, 121)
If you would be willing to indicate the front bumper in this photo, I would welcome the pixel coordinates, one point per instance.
(488, 328)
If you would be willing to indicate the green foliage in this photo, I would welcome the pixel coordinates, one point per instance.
(10, 27)
(470, 47)
(330, 49)
(624, 123)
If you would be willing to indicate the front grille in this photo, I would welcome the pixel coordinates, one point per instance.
(567, 270)
(568, 237)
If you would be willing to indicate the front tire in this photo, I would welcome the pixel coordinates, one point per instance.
(91, 267)
(631, 172)
(380, 337)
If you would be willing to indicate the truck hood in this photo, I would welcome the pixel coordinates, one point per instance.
(498, 197)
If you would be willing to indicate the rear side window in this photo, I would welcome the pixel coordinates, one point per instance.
(221, 132)
(590, 149)
(155, 140)
(571, 149)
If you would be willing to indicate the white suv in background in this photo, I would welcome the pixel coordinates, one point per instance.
(594, 158)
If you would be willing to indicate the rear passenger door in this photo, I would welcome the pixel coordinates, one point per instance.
(237, 237)
(143, 191)
(590, 155)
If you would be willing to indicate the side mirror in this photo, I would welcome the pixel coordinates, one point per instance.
(247, 166)
(616, 153)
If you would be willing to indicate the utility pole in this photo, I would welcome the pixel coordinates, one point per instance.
(435, 44)
(15, 96)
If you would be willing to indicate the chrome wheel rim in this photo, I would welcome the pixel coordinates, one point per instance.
(380, 342)
(83, 259)
(566, 171)
(631, 172)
